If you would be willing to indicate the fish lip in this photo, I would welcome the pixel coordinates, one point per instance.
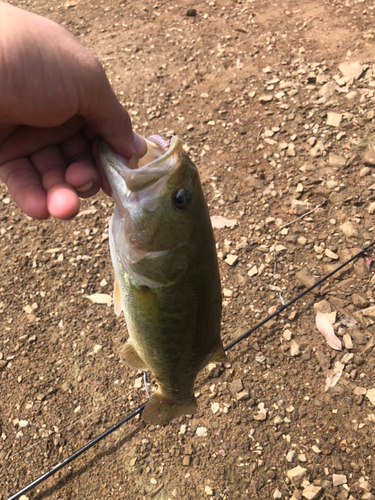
(122, 174)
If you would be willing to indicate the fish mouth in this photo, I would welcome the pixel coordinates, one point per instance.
(140, 173)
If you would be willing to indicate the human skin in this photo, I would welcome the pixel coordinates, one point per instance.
(55, 100)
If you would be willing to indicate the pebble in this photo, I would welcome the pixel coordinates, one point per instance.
(349, 229)
(253, 271)
(231, 259)
(209, 491)
(236, 386)
(227, 293)
(294, 348)
(364, 171)
(351, 70)
(291, 456)
(297, 474)
(312, 492)
(264, 99)
(277, 494)
(305, 277)
(287, 334)
(330, 254)
(201, 432)
(365, 485)
(334, 119)
(302, 457)
(215, 407)
(316, 449)
(339, 479)
(368, 158)
(336, 160)
(371, 396)
(347, 341)
(371, 208)
(300, 207)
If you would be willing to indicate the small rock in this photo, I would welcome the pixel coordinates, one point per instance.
(264, 99)
(201, 432)
(227, 293)
(316, 450)
(209, 491)
(231, 259)
(324, 361)
(371, 208)
(191, 12)
(291, 456)
(348, 343)
(330, 254)
(253, 271)
(371, 396)
(287, 334)
(312, 492)
(334, 119)
(368, 496)
(300, 207)
(339, 479)
(243, 396)
(186, 460)
(349, 229)
(294, 348)
(364, 171)
(297, 474)
(351, 95)
(370, 312)
(360, 391)
(336, 160)
(236, 386)
(213, 370)
(277, 494)
(215, 407)
(305, 277)
(351, 70)
(323, 306)
(328, 90)
(302, 458)
(368, 158)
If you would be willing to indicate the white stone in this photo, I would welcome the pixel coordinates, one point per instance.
(208, 491)
(311, 492)
(339, 479)
(231, 259)
(296, 474)
(294, 348)
(334, 119)
(201, 432)
(330, 254)
(371, 396)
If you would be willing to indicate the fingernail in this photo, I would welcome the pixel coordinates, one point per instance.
(85, 187)
(140, 145)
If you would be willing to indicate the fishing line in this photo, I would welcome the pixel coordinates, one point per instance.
(139, 410)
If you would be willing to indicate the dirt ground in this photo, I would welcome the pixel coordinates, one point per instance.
(277, 126)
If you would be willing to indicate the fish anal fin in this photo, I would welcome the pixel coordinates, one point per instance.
(219, 355)
(117, 298)
(131, 358)
(160, 410)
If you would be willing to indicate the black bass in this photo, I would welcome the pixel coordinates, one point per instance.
(166, 272)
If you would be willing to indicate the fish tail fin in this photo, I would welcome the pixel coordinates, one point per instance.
(161, 410)
(219, 355)
(131, 358)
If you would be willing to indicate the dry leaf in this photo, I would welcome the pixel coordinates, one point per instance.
(219, 222)
(87, 212)
(100, 298)
(368, 259)
(326, 329)
(334, 375)
(274, 288)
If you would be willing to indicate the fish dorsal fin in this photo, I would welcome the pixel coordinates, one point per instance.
(117, 298)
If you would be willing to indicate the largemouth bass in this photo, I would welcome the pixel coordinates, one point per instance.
(166, 272)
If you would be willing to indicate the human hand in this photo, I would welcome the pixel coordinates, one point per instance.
(55, 100)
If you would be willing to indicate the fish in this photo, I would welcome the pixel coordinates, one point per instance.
(167, 279)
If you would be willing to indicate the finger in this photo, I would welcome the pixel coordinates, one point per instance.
(104, 181)
(25, 140)
(62, 201)
(25, 186)
(81, 172)
(109, 119)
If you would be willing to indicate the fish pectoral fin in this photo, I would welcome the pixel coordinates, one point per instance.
(160, 410)
(131, 358)
(117, 298)
(219, 355)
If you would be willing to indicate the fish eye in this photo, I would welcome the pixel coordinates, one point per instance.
(181, 199)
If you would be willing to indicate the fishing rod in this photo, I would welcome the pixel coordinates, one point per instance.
(139, 410)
